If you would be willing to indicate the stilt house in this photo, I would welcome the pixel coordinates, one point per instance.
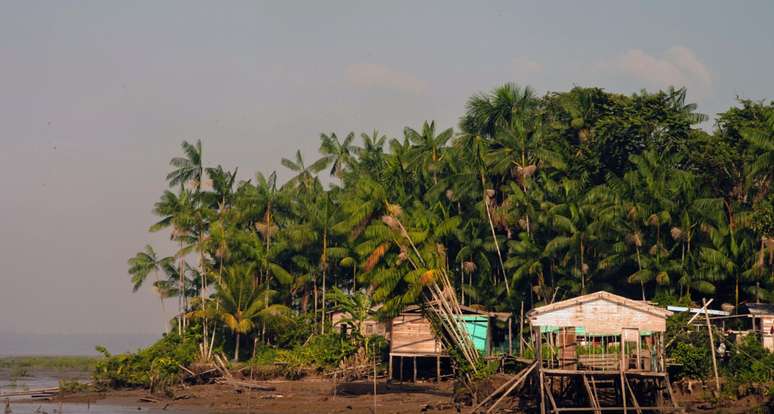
(605, 347)
(412, 338)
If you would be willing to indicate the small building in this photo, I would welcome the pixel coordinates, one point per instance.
(762, 317)
(596, 339)
(370, 326)
(412, 336)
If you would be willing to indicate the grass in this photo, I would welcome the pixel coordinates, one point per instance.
(25, 364)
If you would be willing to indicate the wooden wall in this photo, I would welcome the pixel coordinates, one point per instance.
(412, 334)
(368, 327)
(766, 322)
(602, 317)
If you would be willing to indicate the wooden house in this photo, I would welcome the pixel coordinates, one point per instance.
(762, 317)
(600, 340)
(368, 327)
(412, 336)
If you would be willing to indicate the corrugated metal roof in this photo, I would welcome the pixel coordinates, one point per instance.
(760, 308)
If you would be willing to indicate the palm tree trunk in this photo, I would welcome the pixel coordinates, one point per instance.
(236, 348)
(184, 304)
(324, 274)
(583, 277)
(639, 265)
(494, 236)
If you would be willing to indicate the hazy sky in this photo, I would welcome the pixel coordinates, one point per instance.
(95, 97)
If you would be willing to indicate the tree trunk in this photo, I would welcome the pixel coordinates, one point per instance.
(494, 236)
(236, 348)
(324, 274)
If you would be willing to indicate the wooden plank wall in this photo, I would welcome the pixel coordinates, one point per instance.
(601, 316)
(412, 334)
(367, 327)
(766, 336)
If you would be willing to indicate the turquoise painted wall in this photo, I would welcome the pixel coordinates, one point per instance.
(478, 329)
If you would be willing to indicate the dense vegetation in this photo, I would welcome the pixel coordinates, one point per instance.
(533, 199)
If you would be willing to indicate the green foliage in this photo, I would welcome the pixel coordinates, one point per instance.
(155, 367)
(73, 386)
(535, 199)
(693, 361)
(319, 353)
(750, 363)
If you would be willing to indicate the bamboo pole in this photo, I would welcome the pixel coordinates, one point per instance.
(712, 347)
(521, 329)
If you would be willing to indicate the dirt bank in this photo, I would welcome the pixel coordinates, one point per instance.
(308, 395)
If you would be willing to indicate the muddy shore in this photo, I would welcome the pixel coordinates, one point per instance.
(318, 395)
(309, 395)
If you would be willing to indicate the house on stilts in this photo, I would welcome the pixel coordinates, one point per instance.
(600, 352)
(416, 351)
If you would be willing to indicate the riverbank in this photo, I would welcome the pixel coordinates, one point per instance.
(310, 394)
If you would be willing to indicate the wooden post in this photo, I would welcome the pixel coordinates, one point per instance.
(712, 347)
(539, 359)
(401, 369)
(510, 335)
(415, 369)
(438, 368)
(521, 333)
(389, 368)
(622, 367)
(374, 351)
(623, 391)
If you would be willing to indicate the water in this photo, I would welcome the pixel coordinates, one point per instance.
(26, 383)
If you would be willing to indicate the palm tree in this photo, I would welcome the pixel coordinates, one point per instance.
(338, 154)
(427, 148)
(371, 154)
(305, 176)
(143, 264)
(176, 211)
(241, 301)
(189, 168)
(485, 114)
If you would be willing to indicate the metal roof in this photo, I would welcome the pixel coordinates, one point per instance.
(759, 308)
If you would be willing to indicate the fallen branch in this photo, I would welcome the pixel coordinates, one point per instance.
(246, 384)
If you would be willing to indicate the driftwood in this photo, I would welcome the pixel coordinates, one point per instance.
(38, 392)
(221, 365)
(246, 384)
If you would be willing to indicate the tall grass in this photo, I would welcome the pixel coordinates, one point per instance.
(58, 363)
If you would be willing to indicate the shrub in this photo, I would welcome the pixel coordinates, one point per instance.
(72, 386)
(155, 367)
(694, 361)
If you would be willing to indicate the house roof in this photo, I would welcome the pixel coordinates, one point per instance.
(467, 310)
(601, 295)
(758, 309)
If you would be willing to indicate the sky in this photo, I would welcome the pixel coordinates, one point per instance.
(96, 97)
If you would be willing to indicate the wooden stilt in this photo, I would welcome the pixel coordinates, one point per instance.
(389, 368)
(551, 399)
(438, 368)
(634, 398)
(669, 390)
(401, 369)
(592, 398)
(516, 381)
(521, 333)
(539, 358)
(623, 392)
(415, 369)
(510, 336)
